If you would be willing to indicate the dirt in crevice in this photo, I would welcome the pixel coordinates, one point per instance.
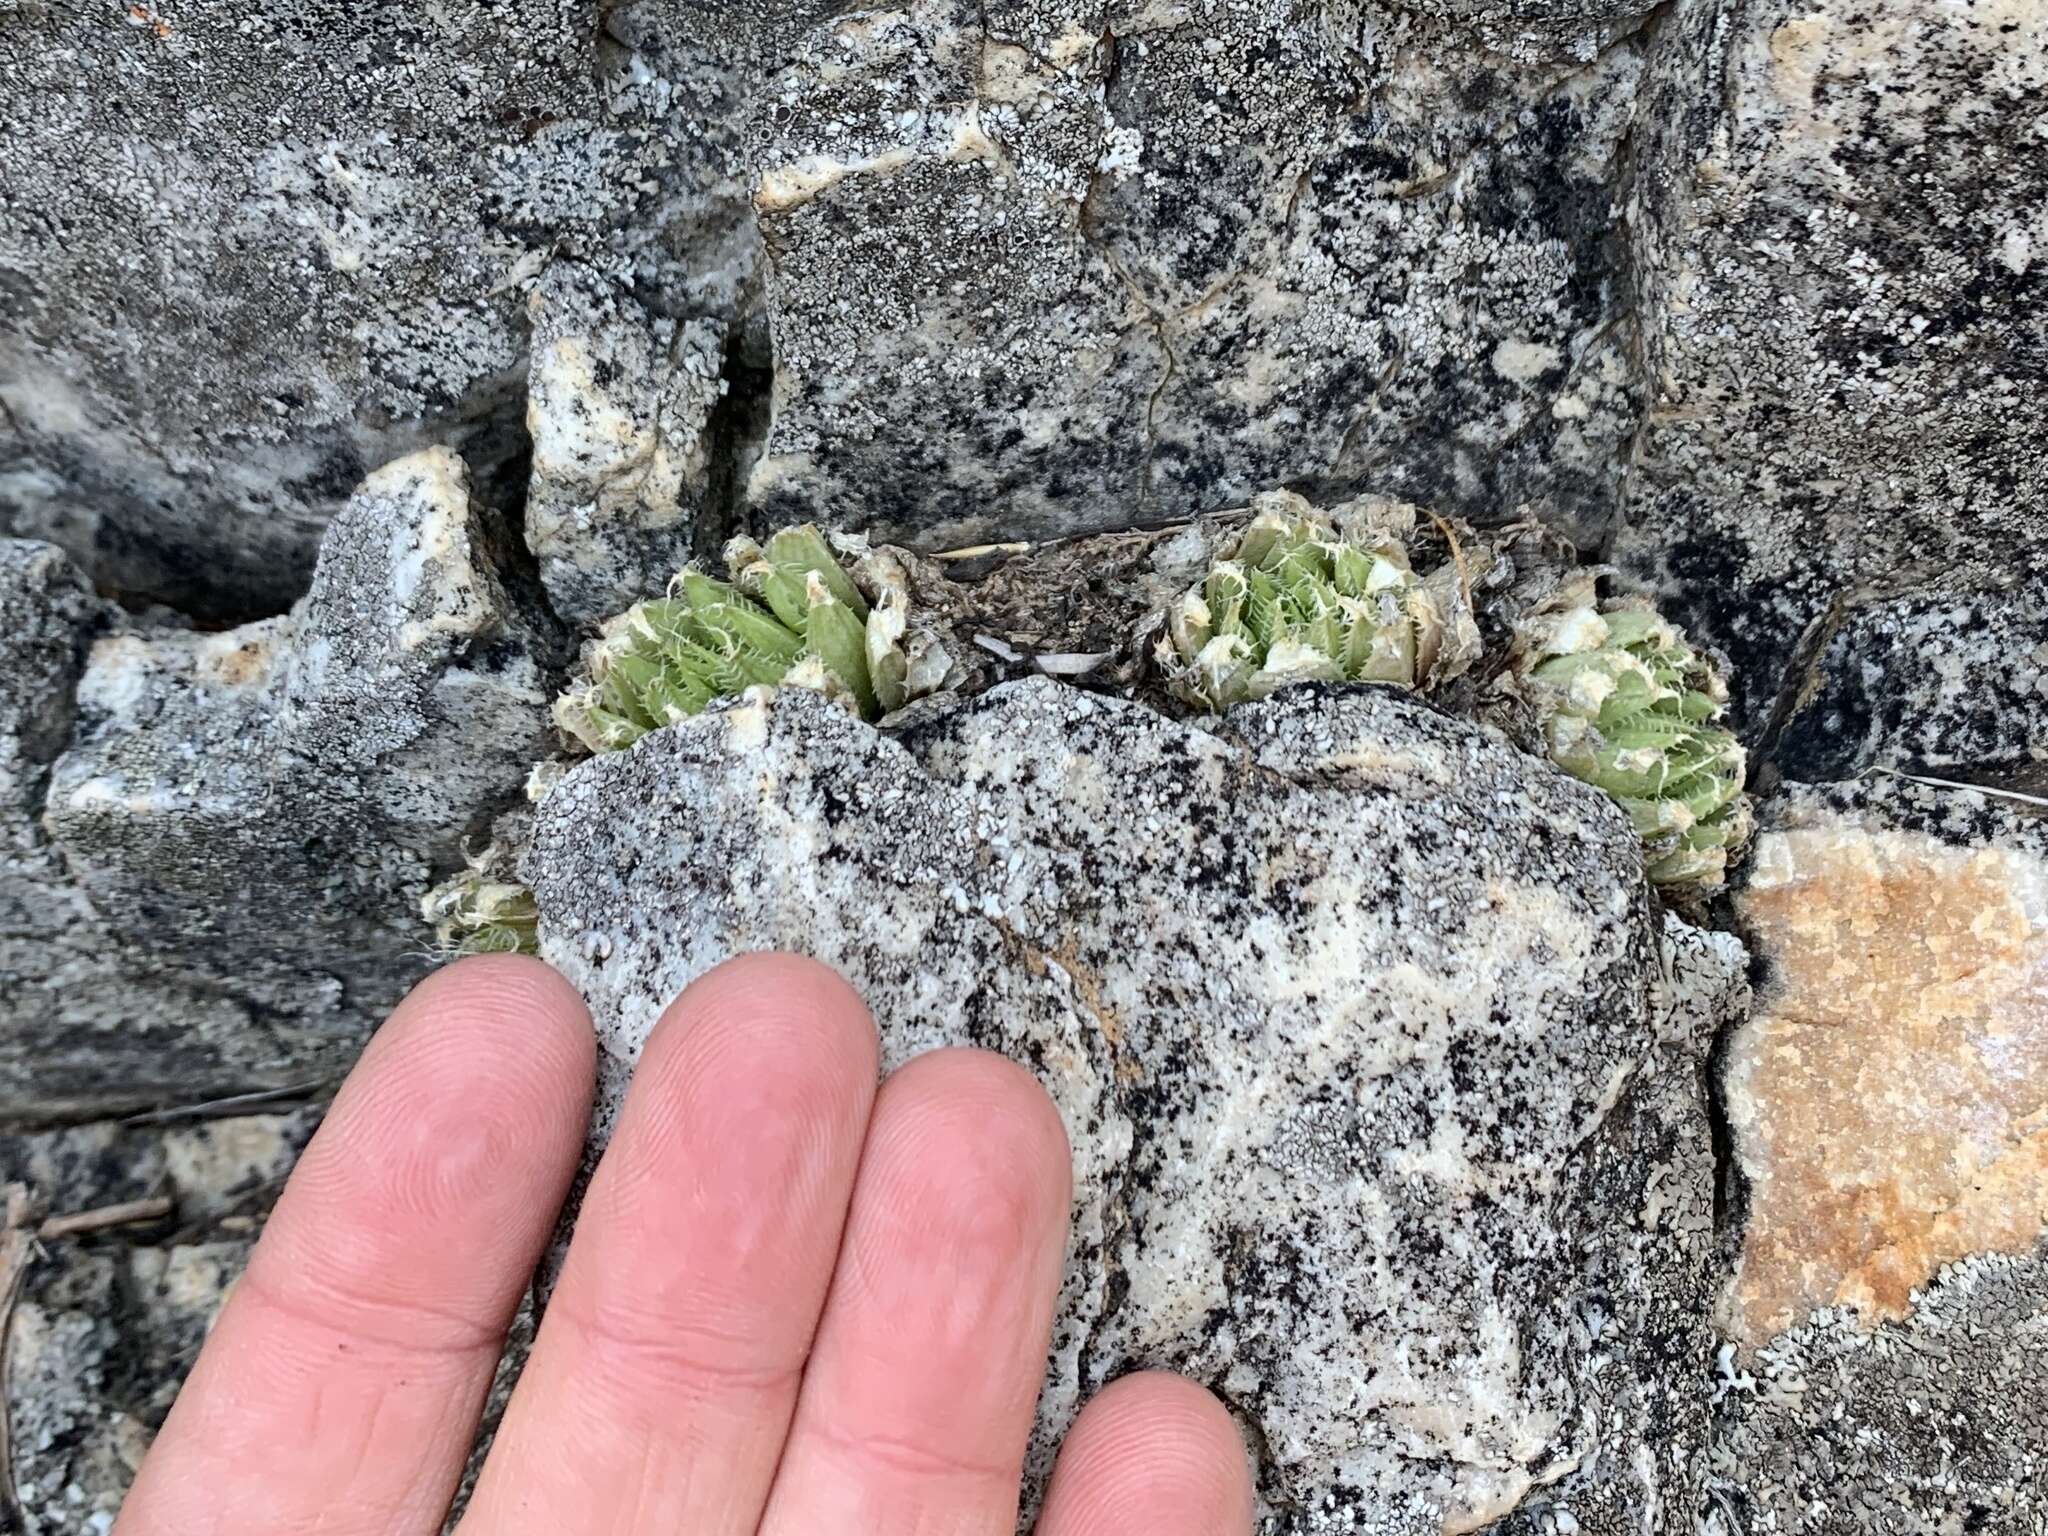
(738, 432)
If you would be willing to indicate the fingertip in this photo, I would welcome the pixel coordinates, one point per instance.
(774, 993)
(988, 1102)
(499, 996)
(479, 1084)
(362, 1337)
(1154, 1452)
(966, 1174)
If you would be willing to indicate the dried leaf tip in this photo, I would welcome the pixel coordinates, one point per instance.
(483, 909)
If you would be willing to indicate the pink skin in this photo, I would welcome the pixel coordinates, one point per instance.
(794, 1304)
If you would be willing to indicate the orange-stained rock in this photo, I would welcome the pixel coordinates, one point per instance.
(1890, 1096)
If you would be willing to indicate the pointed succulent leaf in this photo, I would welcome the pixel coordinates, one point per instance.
(839, 640)
(804, 552)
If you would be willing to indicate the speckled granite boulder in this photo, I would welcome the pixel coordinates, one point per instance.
(1888, 1102)
(1839, 258)
(247, 256)
(1060, 265)
(1928, 682)
(1342, 1008)
(1643, 1309)
(257, 810)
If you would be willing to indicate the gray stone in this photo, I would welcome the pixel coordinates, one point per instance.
(80, 1023)
(1839, 265)
(1939, 684)
(254, 813)
(1352, 1172)
(1078, 265)
(620, 405)
(109, 1322)
(47, 617)
(1644, 1308)
(1935, 1424)
(247, 257)
(98, 1347)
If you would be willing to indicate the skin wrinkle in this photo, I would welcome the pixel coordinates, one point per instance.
(316, 1311)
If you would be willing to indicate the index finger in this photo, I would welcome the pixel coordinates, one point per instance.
(342, 1385)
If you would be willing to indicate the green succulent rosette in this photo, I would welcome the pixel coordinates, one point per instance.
(792, 614)
(1298, 601)
(1629, 706)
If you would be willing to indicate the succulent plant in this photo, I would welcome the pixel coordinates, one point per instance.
(1627, 705)
(1298, 601)
(792, 614)
(483, 910)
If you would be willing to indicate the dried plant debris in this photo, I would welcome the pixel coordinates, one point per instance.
(484, 909)
(797, 611)
(1302, 599)
(1628, 705)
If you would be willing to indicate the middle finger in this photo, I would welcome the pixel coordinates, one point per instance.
(663, 1379)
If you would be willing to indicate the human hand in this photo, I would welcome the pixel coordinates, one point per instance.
(794, 1305)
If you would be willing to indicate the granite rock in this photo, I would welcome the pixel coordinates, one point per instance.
(108, 1322)
(80, 1023)
(1351, 1172)
(253, 813)
(1888, 1107)
(47, 618)
(1933, 1423)
(247, 257)
(1644, 1309)
(1839, 275)
(621, 406)
(1054, 266)
(1889, 1097)
(1931, 683)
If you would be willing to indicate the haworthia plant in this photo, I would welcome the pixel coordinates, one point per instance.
(1629, 706)
(792, 614)
(1297, 601)
(483, 910)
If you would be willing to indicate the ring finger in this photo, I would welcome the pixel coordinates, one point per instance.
(918, 1400)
